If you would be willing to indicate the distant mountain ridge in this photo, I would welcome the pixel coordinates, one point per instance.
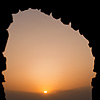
(74, 94)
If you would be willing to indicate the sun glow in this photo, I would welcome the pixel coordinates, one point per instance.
(45, 92)
(45, 53)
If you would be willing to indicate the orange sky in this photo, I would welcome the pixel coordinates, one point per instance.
(43, 54)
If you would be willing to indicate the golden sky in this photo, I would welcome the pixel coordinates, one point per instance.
(44, 54)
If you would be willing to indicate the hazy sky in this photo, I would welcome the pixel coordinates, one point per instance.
(44, 54)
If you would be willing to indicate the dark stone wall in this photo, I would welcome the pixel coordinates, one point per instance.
(82, 15)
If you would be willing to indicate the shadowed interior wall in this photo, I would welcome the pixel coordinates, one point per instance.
(81, 18)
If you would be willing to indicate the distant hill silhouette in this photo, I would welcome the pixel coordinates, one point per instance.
(74, 94)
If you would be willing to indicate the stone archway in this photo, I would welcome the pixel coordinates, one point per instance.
(80, 19)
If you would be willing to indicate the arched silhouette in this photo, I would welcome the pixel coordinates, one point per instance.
(81, 18)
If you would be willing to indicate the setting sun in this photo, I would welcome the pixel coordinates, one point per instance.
(45, 92)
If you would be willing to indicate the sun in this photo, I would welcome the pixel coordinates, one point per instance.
(45, 92)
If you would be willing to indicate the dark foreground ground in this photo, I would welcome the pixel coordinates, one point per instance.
(75, 94)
